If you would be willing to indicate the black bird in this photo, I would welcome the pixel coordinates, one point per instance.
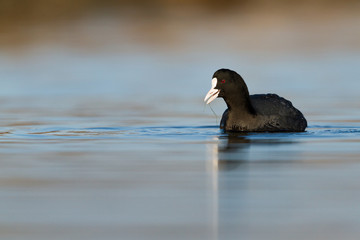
(252, 113)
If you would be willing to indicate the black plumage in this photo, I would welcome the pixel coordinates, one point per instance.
(253, 113)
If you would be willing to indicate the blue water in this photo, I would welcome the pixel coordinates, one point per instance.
(136, 181)
(115, 142)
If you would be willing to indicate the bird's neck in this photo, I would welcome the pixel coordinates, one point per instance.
(240, 105)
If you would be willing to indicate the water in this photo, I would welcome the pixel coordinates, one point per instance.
(179, 182)
(117, 144)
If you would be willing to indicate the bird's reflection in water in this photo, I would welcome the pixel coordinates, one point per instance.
(235, 177)
(228, 155)
(231, 151)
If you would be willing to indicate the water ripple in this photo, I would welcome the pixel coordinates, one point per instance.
(178, 132)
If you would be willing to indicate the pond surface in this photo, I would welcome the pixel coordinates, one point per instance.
(119, 145)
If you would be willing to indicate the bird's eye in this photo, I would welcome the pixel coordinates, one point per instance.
(223, 81)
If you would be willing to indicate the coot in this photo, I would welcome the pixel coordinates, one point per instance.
(252, 113)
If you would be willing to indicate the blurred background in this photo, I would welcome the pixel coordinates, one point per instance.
(101, 53)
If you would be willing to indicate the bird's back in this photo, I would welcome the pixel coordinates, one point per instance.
(273, 114)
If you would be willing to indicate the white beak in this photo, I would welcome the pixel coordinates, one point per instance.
(213, 93)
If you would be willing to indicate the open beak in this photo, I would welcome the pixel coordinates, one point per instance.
(213, 93)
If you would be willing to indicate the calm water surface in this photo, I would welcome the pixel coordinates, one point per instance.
(179, 182)
(119, 145)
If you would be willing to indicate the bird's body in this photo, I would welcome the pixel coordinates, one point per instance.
(253, 113)
(272, 114)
